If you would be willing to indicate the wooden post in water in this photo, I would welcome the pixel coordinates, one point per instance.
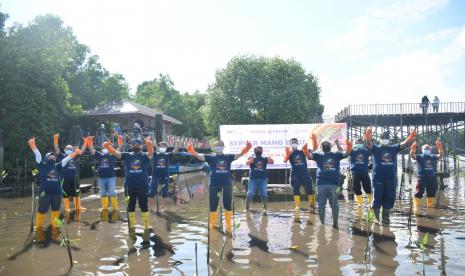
(1, 154)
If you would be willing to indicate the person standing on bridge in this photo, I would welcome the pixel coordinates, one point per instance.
(359, 168)
(426, 172)
(160, 172)
(106, 173)
(299, 172)
(220, 179)
(385, 172)
(328, 176)
(435, 104)
(50, 191)
(136, 178)
(424, 104)
(258, 177)
(69, 177)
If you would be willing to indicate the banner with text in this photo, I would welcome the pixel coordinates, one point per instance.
(274, 139)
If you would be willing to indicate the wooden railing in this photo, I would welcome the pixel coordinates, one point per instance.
(398, 109)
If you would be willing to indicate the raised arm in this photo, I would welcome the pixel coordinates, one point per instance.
(150, 148)
(348, 150)
(287, 154)
(270, 160)
(244, 150)
(440, 148)
(55, 143)
(190, 149)
(307, 153)
(339, 148)
(409, 139)
(32, 145)
(250, 161)
(314, 142)
(177, 144)
(413, 150)
(73, 155)
(112, 150)
(90, 144)
(84, 144)
(368, 138)
(120, 143)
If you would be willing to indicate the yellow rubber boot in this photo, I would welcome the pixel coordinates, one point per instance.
(228, 221)
(297, 202)
(369, 199)
(78, 206)
(66, 204)
(430, 202)
(416, 202)
(359, 200)
(114, 203)
(39, 221)
(132, 220)
(104, 214)
(104, 200)
(213, 219)
(311, 201)
(146, 220)
(53, 219)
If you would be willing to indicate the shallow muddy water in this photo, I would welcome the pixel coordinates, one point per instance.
(261, 245)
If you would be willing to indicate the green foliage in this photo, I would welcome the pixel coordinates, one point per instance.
(260, 90)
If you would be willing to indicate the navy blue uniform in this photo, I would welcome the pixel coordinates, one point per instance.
(68, 177)
(50, 188)
(160, 173)
(136, 179)
(299, 173)
(105, 164)
(359, 169)
(426, 170)
(258, 178)
(220, 179)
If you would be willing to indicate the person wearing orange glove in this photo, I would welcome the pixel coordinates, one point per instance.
(220, 179)
(136, 179)
(299, 173)
(384, 176)
(258, 177)
(359, 168)
(69, 176)
(328, 177)
(426, 171)
(50, 191)
(106, 173)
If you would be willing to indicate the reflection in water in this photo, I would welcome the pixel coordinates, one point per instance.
(282, 243)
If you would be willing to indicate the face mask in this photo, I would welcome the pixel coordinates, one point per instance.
(294, 145)
(258, 153)
(162, 149)
(359, 146)
(68, 151)
(136, 150)
(218, 149)
(384, 142)
(50, 159)
(104, 151)
(326, 148)
(426, 152)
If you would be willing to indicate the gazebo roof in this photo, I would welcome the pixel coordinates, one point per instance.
(126, 108)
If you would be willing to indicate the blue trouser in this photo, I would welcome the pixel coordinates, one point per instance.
(257, 183)
(107, 186)
(227, 196)
(298, 179)
(384, 193)
(138, 193)
(47, 201)
(164, 181)
(327, 193)
(429, 183)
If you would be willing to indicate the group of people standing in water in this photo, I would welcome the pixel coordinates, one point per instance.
(59, 179)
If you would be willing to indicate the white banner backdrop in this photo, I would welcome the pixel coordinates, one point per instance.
(274, 139)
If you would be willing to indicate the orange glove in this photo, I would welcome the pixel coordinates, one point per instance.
(32, 143)
(413, 147)
(250, 161)
(120, 140)
(368, 134)
(440, 148)
(305, 149)
(55, 138)
(314, 141)
(149, 144)
(90, 141)
(349, 146)
(247, 147)
(412, 135)
(190, 149)
(75, 153)
(270, 160)
(109, 147)
(287, 154)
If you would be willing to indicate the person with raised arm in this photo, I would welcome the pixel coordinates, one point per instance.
(136, 178)
(385, 171)
(220, 179)
(359, 168)
(328, 176)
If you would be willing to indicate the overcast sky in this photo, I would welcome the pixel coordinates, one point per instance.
(361, 51)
